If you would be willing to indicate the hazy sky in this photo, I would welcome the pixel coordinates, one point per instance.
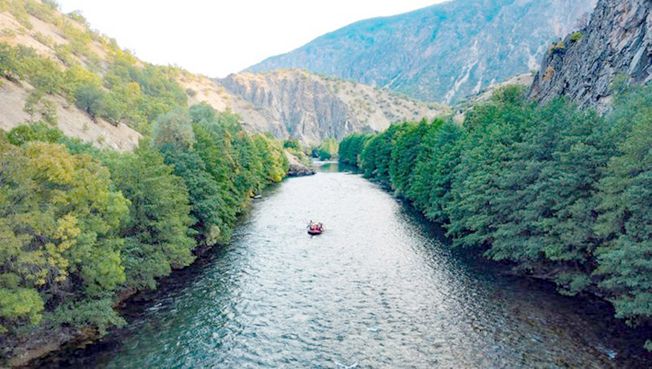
(219, 37)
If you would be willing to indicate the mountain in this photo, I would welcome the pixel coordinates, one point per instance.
(39, 29)
(54, 55)
(298, 104)
(302, 105)
(443, 52)
(616, 42)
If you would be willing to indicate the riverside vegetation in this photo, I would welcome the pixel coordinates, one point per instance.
(561, 193)
(83, 227)
(80, 225)
(557, 192)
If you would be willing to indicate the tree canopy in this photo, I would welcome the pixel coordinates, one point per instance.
(559, 193)
(81, 225)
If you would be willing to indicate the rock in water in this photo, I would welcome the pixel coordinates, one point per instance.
(298, 169)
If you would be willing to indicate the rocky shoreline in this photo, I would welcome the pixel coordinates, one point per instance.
(297, 168)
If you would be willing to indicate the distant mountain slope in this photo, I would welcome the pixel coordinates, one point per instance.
(298, 104)
(443, 52)
(63, 40)
(67, 56)
(617, 41)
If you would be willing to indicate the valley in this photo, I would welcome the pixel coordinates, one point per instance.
(482, 169)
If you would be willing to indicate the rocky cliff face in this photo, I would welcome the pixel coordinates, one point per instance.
(617, 41)
(444, 52)
(298, 104)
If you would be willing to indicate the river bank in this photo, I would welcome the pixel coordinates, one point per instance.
(46, 344)
(397, 296)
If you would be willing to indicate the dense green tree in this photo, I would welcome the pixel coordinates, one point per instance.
(351, 148)
(203, 191)
(250, 170)
(433, 174)
(59, 224)
(80, 224)
(203, 113)
(377, 154)
(156, 233)
(625, 215)
(494, 128)
(558, 192)
(274, 162)
(213, 146)
(174, 129)
(547, 195)
(405, 151)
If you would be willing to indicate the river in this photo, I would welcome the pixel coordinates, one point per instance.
(379, 289)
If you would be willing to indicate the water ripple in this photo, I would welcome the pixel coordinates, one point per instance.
(376, 290)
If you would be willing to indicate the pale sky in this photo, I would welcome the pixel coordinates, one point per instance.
(219, 37)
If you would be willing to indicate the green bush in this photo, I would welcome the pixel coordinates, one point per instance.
(576, 36)
(37, 105)
(127, 93)
(292, 144)
(10, 64)
(90, 99)
(558, 47)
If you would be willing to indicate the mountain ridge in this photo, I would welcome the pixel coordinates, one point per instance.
(381, 51)
(65, 43)
(300, 104)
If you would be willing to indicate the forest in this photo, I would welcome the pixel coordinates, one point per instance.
(553, 191)
(81, 226)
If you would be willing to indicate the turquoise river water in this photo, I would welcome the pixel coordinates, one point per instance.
(380, 288)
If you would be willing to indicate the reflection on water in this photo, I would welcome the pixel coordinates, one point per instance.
(376, 290)
(328, 166)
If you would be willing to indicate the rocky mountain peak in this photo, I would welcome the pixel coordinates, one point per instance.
(444, 52)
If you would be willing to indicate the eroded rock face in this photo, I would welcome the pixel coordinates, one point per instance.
(311, 108)
(443, 52)
(617, 41)
(297, 168)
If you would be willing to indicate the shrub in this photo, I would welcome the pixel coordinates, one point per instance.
(89, 98)
(558, 47)
(576, 36)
